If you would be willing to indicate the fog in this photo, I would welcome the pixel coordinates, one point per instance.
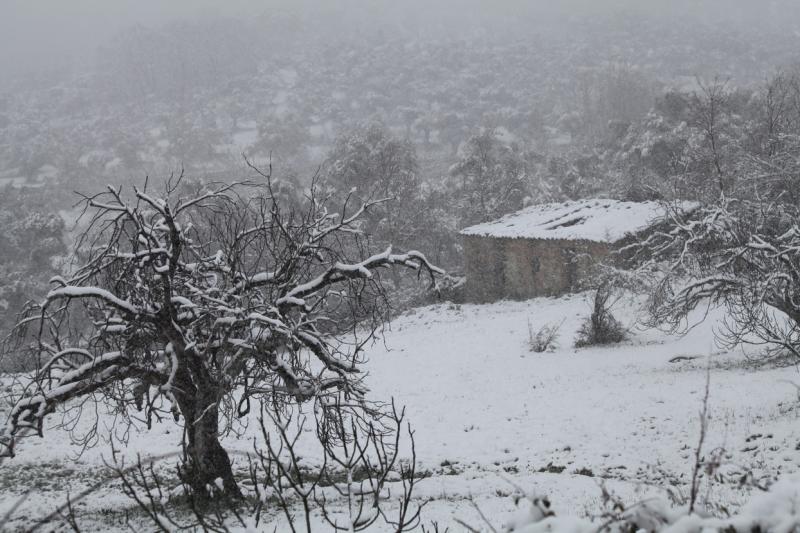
(52, 34)
(45, 34)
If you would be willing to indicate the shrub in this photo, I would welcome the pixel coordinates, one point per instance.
(601, 327)
(544, 339)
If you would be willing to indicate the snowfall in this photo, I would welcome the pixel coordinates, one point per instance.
(493, 418)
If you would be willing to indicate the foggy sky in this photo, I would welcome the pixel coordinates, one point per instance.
(42, 34)
(38, 34)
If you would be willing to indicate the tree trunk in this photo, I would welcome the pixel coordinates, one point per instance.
(205, 460)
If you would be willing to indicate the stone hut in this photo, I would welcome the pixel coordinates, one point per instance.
(549, 249)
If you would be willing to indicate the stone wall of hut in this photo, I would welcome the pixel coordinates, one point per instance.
(498, 268)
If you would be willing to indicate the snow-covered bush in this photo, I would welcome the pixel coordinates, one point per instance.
(544, 339)
(776, 510)
(601, 327)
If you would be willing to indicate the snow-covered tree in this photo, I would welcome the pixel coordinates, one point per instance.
(369, 163)
(741, 254)
(30, 245)
(489, 180)
(199, 305)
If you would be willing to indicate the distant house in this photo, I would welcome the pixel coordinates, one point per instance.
(548, 250)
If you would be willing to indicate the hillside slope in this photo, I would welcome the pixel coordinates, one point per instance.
(490, 414)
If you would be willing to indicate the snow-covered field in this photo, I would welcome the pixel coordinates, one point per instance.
(490, 415)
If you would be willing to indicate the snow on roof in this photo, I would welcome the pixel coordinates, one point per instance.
(599, 220)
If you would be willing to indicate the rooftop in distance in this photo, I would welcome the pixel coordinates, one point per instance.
(596, 219)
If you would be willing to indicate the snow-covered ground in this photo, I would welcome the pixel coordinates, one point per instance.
(490, 414)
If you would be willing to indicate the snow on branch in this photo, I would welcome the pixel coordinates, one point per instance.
(30, 410)
(93, 292)
(340, 272)
(741, 253)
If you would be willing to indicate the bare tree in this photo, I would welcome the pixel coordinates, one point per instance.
(773, 143)
(708, 108)
(180, 301)
(741, 254)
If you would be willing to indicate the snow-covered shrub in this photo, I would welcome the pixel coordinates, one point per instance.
(601, 327)
(777, 510)
(544, 339)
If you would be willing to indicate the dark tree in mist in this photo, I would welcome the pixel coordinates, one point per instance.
(370, 164)
(489, 180)
(31, 244)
